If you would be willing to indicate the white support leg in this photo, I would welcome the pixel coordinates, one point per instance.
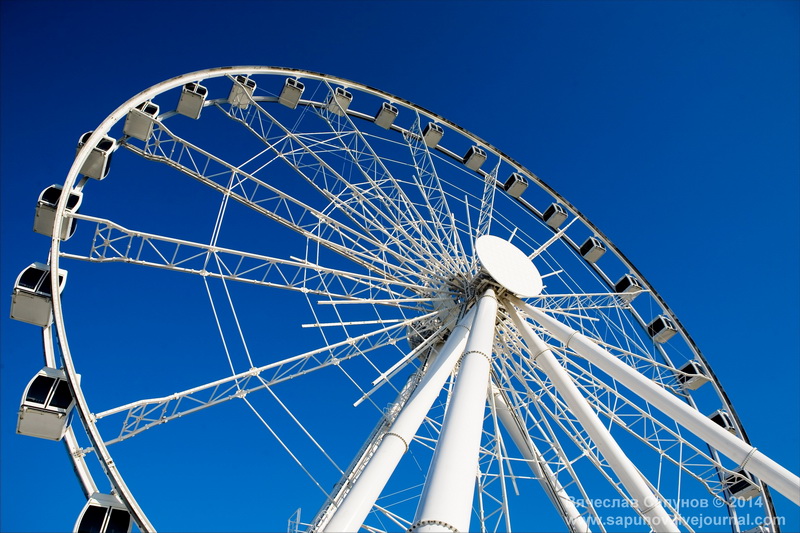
(575, 522)
(714, 435)
(446, 502)
(358, 502)
(647, 504)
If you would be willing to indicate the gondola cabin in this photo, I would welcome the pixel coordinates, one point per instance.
(46, 407)
(32, 299)
(474, 158)
(741, 484)
(140, 120)
(628, 287)
(99, 160)
(46, 211)
(432, 134)
(661, 329)
(724, 420)
(592, 249)
(386, 115)
(104, 513)
(192, 100)
(241, 92)
(554, 215)
(339, 101)
(291, 93)
(691, 376)
(515, 185)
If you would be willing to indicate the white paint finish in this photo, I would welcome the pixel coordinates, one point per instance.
(358, 502)
(450, 484)
(716, 436)
(508, 266)
(649, 506)
(538, 465)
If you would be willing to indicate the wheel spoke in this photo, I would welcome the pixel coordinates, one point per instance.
(383, 215)
(114, 243)
(433, 198)
(268, 200)
(145, 414)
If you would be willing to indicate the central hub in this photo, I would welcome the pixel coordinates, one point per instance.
(508, 266)
(504, 263)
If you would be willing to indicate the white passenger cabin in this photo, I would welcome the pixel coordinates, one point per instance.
(661, 329)
(555, 215)
(46, 211)
(241, 92)
(46, 407)
(592, 249)
(723, 419)
(32, 299)
(691, 376)
(104, 513)
(291, 93)
(432, 134)
(192, 100)
(515, 185)
(339, 101)
(98, 162)
(386, 115)
(628, 287)
(474, 158)
(741, 484)
(140, 121)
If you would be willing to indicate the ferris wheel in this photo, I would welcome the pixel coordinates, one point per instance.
(404, 325)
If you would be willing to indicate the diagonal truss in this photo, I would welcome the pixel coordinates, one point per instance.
(114, 243)
(277, 205)
(378, 204)
(142, 415)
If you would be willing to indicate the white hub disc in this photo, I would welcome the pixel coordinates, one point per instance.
(509, 266)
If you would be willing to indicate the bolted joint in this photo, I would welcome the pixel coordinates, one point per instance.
(399, 437)
(440, 523)
(465, 354)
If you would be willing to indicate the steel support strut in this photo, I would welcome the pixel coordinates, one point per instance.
(533, 457)
(446, 501)
(714, 435)
(647, 504)
(358, 502)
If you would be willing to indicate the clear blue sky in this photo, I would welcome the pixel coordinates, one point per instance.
(674, 126)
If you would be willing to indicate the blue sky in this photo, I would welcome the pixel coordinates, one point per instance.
(674, 126)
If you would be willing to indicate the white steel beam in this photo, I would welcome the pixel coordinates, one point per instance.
(446, 502)
(358, 502)
(714, 435)
(647, 504)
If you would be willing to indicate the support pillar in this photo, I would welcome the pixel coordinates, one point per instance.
(358, 502)
(446, 502)
(714, 435)
(648, 505)
(561, 500)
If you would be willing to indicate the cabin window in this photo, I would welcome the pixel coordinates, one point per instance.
(92, 521)
(46, 288)
(30, 278)
(119, 522)
(40, 389)
(105, 144)
(51, 195)
(72, 201)
(62, 397)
